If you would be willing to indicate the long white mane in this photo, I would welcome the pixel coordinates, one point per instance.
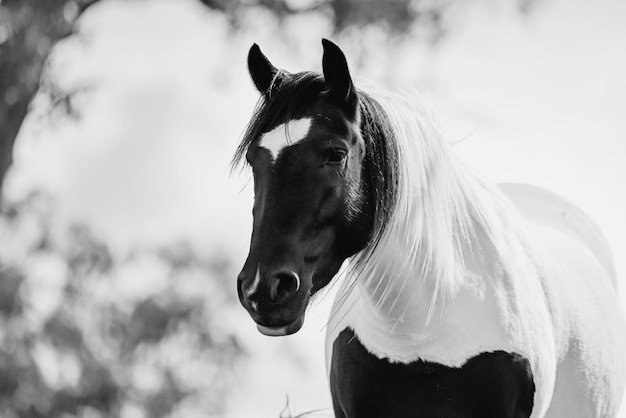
(443, 214)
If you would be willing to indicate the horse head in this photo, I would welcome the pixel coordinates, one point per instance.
(312, 203)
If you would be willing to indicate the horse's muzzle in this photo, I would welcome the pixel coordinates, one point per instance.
(276, 302)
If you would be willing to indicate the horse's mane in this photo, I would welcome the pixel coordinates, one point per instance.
(438, 210)
(288, 98)
(428, 216)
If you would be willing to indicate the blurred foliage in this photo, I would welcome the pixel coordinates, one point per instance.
(29, 29)
(395, 16)
(76, 342)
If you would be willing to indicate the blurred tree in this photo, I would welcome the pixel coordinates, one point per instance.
(395, 16)
(89, 355)
(29, 30)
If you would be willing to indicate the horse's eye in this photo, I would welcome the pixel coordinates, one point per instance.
(336, 156)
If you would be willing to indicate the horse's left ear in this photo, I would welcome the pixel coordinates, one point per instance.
(337, 77)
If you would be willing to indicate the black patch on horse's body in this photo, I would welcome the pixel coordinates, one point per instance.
(490, 385)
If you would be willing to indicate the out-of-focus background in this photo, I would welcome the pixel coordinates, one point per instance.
(122, 229)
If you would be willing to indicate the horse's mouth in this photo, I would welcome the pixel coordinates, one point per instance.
(282, 331)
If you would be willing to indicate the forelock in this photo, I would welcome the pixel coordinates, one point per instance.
(291, 96)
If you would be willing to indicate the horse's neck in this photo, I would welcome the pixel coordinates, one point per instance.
(401, 312)
(426, 279)
(399, 295)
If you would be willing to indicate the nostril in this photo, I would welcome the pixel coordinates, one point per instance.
(283, 286)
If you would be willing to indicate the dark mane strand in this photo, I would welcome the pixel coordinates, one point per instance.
(380, 167)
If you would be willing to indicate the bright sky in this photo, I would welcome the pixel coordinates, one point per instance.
(541, 99)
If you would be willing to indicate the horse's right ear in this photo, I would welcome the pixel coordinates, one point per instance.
(261, 69)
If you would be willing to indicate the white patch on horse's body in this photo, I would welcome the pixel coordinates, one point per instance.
(458, 272)
(285, 135)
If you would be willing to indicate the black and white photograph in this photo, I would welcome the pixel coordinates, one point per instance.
(312, 208)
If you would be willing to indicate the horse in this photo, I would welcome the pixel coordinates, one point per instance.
(456, 297)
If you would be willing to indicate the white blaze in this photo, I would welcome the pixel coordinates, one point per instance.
(285, 135)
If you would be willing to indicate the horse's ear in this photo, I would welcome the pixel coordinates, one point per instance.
(261, 69)
(337, 77)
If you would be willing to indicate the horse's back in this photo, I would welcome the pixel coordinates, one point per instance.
(541, 205)
(581, 291)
